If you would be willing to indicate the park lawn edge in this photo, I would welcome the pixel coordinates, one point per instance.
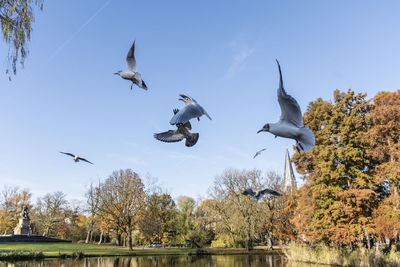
(7, 254)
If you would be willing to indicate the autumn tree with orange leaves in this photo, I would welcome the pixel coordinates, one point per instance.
(11, 202)
(384, 139)
(344, 190)
(121, 199)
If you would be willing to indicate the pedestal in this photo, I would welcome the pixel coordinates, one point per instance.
(23, 227)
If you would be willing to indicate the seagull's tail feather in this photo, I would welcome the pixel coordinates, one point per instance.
(306, 139)
(280, 75)
(208, 116)
(144, 86)
(191, 140)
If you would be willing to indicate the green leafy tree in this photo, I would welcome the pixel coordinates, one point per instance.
(240, 218)
(16, 18)
(157, 223)
(185, 219)
(121, 201)
(49, 214)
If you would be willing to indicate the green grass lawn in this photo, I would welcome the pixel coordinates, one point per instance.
(53, 247)
(90, 250)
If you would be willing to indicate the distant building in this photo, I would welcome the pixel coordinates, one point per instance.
(289, 181)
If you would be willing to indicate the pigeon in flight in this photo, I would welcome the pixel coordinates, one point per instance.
(182, 132)
(259, 194)
(76, 158)
(188, 112)
(259, 152)
(131, 73)
(290, 124)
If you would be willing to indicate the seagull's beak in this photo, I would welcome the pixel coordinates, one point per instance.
(116, 73)
(259, 131)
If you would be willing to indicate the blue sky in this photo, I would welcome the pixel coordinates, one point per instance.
(222, 53)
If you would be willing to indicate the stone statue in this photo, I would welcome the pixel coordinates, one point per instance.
(23, 227)
(24, 213)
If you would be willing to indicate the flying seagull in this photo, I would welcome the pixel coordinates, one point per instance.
(76, 158)
(188, 112)
(259, 152)
(290, 124)
(131, 73)
(182, 132)
(259, 194)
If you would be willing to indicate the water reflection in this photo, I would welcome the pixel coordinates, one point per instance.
(161, 261)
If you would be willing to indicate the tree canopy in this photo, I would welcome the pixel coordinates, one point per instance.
(16, 18)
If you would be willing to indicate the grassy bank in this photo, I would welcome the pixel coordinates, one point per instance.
(17, 251)
(340, 257)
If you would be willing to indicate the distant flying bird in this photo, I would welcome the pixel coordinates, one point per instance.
(76, 158)
(131, 73)
(259, 152)
(188, 112)
(259, 194)
(182, 132)
(290, 124)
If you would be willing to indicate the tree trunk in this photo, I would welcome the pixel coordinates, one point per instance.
(367, 239)
(88, 236)
(101, 237)
(130, 238)
(247, 241)
(269, 242)
(118, 239)
(91, 235)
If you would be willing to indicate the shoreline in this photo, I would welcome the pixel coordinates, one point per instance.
(34, 251)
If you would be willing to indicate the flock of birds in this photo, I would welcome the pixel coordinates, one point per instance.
(290, 124)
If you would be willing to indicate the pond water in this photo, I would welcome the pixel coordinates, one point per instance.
(161, 261)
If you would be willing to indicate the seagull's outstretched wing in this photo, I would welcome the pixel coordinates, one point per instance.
(83, 159)
(270, 191)
(185, 114)
(290, 109)
(259, 152)
(130, 58)
(249, 191)
(187, 125)
(169, 136)
(69, 154)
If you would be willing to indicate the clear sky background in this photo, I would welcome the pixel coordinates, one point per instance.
(222, 53)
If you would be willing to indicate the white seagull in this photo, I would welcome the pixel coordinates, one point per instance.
(131, 73)
(76, 158)
(179, 134)
(290, 124)
(260, 193)
(188, 112)
(259, 152)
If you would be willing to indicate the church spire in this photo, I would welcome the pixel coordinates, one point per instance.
(289, 181)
